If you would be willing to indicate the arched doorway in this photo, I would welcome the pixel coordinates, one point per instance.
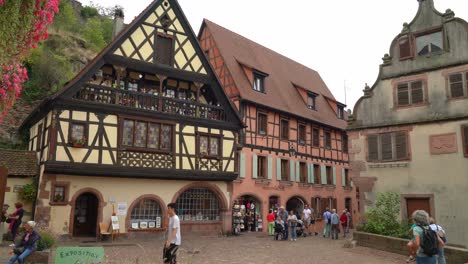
(85, 215)
(296, 204)
(251, 209)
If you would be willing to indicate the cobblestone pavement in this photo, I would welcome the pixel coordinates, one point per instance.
(245, 249)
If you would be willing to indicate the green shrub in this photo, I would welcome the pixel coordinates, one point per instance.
(47, 240)
(89, 12)
(28, 193)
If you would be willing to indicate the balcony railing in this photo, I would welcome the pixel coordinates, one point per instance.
(113, 96)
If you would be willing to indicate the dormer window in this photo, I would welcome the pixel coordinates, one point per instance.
(340, 112)
(404, 44)
(259, 82)
(311, 101)
(429, 43)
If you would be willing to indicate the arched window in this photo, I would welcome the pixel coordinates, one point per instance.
(147, 213)
(198, 204)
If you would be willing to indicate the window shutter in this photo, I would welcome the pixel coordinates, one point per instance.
(254, 166)
(405, 47)
(401, 145)
(164, 50)
(323, 173)
(373, 147)
(456, 85)
(417, 92)
(270, 168)
(386, 142)
(298, 172)
(292, 176)
(242, 165)
(403, 95)
(334, 175)
(310, 171)
(343, 177)
(465, 137)
(278, 169)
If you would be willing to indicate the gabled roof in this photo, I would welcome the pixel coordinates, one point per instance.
(19, 162)
(125, 49)
(283, 75)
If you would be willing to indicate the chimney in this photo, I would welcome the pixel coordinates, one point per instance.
(118, 22)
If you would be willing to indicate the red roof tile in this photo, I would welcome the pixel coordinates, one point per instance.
(283, 74)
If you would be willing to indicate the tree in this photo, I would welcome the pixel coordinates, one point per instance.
(23, 23)
(67, 18)
(93, 34)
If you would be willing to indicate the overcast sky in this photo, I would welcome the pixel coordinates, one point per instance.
(343, 40)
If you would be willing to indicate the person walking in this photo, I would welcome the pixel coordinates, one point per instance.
(284, 216)
(344, 222)
(28, 244)
(421, 219)
(271, 223)
(173, 236)
(306, 218)
(326, 219)
(335, 224)
(15, 219)
(441, 233)
(292, 223)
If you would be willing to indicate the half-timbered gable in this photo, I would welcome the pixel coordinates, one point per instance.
(148, 107)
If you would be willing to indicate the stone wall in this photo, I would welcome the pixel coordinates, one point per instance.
(398, 245)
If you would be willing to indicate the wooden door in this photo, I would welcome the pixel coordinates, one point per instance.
(85, 215)
(413, 204)
(3, 184)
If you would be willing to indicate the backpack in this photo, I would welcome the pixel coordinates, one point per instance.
(441, 234)
(429, 243)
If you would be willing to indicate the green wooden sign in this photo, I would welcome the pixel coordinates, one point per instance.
(79, 255)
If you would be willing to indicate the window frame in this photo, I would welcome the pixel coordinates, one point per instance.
(85, 131)
(66, 191)
(347, 179)
(282, 135)
(329, 175)
(122, 147)
(393, 146)
(303, 173)
(209, 136)
(429, 32)
(285, 169)
(464, 75)
(301, 133)
(315, 139)
(135, 205)
(166, 36)
(313, 97)
(327, 140)
(262, 170)
(340, 114)
(410, 40)
(259, 127)
(199, 189)
(317, 174)
(261, 77)
(409, 92)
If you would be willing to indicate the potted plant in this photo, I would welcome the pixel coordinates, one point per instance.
(58, 198)
(78, 143)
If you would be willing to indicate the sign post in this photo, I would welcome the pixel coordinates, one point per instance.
(79, 255)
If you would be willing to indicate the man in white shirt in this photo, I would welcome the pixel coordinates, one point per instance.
(306, 217)
(173, 236)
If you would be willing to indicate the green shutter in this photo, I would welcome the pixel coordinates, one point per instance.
(343, 177)
(292, 176)
(323, 172)
(242, 166)
(254, 166)
(298, 172)
(334, 175)
(270, 168)
(310, 173)
(278, 169)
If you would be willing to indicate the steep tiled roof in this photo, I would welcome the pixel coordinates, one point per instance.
(19, 162)
(283, 74)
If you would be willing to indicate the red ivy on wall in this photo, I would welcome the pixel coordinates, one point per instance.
(23, 24)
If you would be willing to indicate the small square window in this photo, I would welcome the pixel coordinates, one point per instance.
(59, 194)
(78, 134)
(259, 82)
(209, 146)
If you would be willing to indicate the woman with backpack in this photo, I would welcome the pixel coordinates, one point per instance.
(426, 241)
(441, 233)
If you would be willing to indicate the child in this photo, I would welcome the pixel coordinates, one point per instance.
(410, 246)
(279, 227)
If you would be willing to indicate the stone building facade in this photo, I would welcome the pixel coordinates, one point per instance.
(409, 132)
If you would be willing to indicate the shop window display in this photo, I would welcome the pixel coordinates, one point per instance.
(198, 204)
(146, 214)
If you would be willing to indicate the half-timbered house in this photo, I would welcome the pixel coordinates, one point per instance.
(146, 123)
(295, 148)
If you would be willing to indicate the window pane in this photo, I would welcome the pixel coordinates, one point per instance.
(284, 170)
(214, 146)
(417, 94)
(153, 136)
(386, 141)
(372, 147)
(327, 139)
(204, 145)
(140, 134)
(59, 194)
(405, 47)
(401, 146)
(77, 132)
(317, 176)
(456, 85)
(127, 134)
(310, 102)
(262, 124)
(198, 204)
(146, 210)
(284, 129)
(429, 43)
(316, 138)
(166, 137)
(403, 96)
(302, 133)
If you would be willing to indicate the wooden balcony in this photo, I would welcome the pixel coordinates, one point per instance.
(146, 101)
